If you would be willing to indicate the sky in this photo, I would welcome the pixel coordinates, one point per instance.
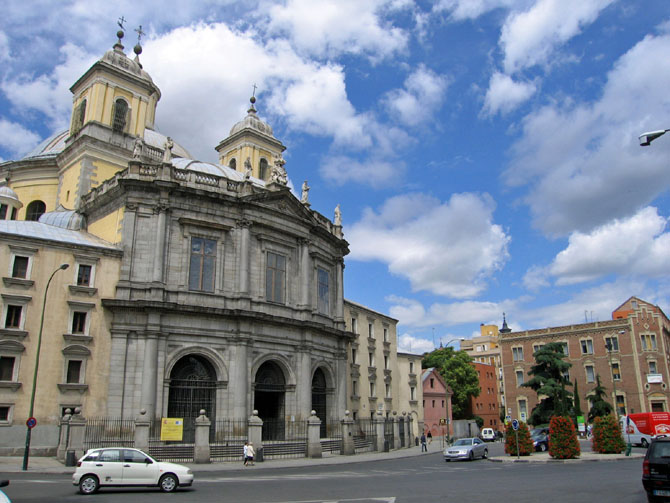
(485, 153)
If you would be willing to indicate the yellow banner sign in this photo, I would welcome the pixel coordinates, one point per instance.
(172, 428)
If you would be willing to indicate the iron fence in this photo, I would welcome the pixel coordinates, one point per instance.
(365, 435)
(289, 439)
(109, 432)
(167, 450)
(332, 442)
(229, 438)
(388, 432)
(401, 432)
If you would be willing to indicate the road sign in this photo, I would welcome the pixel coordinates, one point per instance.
(523, 417)
(515, 424)
(31, 422)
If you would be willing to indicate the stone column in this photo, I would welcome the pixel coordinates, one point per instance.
(396, 430)
(142, 427)
(77, 430)
(117, 379)
(379, 430)
(243, 269)
(342, 367)
(348, 448)
(305, 383)
(314, 436)
(64, 436)
(149, 373)
(159, 255)
(305, 266)
(256, 434)
(202, 424)
(408, 430)
(339, 301)
(239, 378)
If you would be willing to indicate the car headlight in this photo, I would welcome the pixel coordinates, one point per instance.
(189, 472)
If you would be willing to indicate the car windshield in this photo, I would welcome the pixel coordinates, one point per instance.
(463, 441)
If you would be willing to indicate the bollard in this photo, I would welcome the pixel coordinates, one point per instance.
(70, 459)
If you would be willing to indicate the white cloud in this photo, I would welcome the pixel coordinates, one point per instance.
(373, 172)
(415, 345)
(471, 9)
(15, 138)
(504, 94)
(448, 248)
(421, 97)
(4, 46)
(583, 163)
(636, 245)
(324, 28)
(529, 38)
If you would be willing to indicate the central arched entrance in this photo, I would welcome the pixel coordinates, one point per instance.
(192, 387)
(319, 399)
(269, 392)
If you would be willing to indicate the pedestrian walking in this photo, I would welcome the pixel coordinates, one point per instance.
(251, 453)
(424, 447)
(246, 453)
(430, 437)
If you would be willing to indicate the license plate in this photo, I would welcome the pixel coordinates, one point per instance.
(661, 492)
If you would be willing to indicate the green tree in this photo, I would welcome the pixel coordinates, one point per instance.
(458, 373)
(548, 380)
(577, 407)
(599, 406)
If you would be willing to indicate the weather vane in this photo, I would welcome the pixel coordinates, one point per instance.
(139, 33)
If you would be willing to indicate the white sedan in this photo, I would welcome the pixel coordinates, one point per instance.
(466, 448)
(122, 466)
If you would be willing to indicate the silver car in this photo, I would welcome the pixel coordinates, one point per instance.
(123, 466)
(466, 448)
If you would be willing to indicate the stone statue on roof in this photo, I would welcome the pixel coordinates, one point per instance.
(247, 169)
(305, 193)
(137, 148)
(167, 153)
(279, 173)
(338, 215)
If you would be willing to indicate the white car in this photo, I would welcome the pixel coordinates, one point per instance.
(488, 435)
(123, 466)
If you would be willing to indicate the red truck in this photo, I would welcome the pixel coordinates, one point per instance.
(642, 427)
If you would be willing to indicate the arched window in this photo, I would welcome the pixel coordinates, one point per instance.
(233, 164)
(263, 169)
(78, 117)
(120, 115)
(35, 210)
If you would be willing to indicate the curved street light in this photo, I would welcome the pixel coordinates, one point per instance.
(26, 453)
(647, 138)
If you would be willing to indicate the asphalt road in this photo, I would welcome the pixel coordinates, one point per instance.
(419, 479)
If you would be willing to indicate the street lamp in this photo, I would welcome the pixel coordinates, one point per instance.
(446, 391)
(609, 351)
(26, 453)
(647, 138)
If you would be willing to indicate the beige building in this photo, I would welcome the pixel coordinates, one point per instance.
(411, 391)
(629, 353)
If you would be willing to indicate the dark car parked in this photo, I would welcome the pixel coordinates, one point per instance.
(540, 441)
(656, 470)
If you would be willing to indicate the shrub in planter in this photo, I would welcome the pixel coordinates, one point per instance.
(607, 436)
(563, 443)
(525, 442)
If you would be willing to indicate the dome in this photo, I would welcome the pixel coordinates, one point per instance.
(213, 169)
(9, 197)
(118, 59)
(251, 121)
(64, 218)
(50, 147)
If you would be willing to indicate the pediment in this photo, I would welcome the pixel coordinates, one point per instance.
(280, 201)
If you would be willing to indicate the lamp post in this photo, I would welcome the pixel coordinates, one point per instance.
(647, 138)
(609, 351)
(446, 393)
(26, 453)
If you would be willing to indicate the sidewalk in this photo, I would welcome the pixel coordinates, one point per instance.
(38, 465)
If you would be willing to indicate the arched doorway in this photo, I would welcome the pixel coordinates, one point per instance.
(192, 387)
(269, 391)
(319, 399)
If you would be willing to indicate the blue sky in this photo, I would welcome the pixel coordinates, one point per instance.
(484, 152)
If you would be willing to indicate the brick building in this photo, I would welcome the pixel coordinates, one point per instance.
(486, 404)
(634, 370)
(436, 403)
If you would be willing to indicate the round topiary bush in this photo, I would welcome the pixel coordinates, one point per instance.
(563, 443)
(525, 442)
(607, 436)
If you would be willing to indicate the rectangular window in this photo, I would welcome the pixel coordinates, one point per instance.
(648, 342)
(537, 347)
(354, 388)
(73, 372)
(324, 295)
(412, 393)
(373, 390)
(275, 277)
(388, 391)
(84, 275)
(621, 405)
(354, 325)
(79, 322)
(566, 351)
(587, 347)
(523, 408)
(13, 318)
(517, 354)
(652, 367)
(612, 342)
(202, 266)
(3, 211)
(433, 404)
(4, 413)
(371, 332)
(519, 377)
(386, 362)
(411, 367)
(616, 372)
(353, 355)
(371, 359)
(7, 368)
(590, 373)
(20, 267)
(386, 335)
(432, 383)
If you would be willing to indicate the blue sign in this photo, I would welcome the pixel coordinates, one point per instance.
(515, 424)
(31, 422)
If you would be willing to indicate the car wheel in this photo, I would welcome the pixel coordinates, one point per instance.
(89, 484)
(644, 443)
(168, 483)
(486, 454)
(471, 456)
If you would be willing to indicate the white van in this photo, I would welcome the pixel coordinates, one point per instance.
(488, 435)
(631, 434)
